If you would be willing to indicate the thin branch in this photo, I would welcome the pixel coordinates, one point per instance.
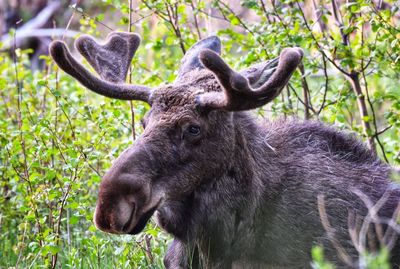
(343, 255)
(171, 17)
(266, 13)
(149, 251)
(352, 77)
(85, 15)
(370, 102)
(210, 15)
(130, 76)
(277, 14)
(306, 92)
(242, 24)
(393, 229)
(325, 86)
(318, 15)
(338, 17)
(58, 225)
(372, 216)
(196, 23)
(317, 43)
(173, 20)
(21, 136)
(383, 130)
(141, 18)
(300, 100)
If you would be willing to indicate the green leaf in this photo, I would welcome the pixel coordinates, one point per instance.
(233, 19)
(3, 83)
(366, 118)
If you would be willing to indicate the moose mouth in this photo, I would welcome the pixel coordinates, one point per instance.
(141, 223)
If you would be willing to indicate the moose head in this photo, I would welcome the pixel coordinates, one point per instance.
(188, 133)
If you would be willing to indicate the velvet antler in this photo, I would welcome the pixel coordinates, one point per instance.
(239, 93)
(111, 61)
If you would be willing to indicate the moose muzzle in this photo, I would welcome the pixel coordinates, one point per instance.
(126, 201)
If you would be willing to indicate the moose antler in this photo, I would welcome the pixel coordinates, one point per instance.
(238, 93)
(111, 61)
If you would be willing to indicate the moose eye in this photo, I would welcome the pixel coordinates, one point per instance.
(193, 130)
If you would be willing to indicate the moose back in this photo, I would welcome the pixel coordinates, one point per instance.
(234, 192)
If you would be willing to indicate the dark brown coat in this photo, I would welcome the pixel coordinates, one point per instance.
(234, 192)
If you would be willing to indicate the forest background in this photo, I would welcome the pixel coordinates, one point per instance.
(58, 139)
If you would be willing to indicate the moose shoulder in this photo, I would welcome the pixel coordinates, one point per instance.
(233, 192)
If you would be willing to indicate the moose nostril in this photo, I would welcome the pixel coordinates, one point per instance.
(128, 223)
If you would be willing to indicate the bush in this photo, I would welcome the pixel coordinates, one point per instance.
(57, 138)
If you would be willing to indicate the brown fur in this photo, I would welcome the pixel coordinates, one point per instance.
(245, 192)
(234, 192)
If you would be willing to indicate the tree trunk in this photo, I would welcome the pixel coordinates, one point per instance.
(354, 80)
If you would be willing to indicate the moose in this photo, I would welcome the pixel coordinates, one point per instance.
(235, 192)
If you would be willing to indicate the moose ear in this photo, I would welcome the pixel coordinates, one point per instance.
(111, 60)
(191, 59)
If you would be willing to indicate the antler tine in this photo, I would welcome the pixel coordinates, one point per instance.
(64, 59)
(112, 59)
(238, 94)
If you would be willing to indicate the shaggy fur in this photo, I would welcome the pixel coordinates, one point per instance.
(234, 192)
(253, 202)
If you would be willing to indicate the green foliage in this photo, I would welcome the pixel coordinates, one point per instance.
(57, 139)
(366, 260)
(317, 254)
(55, 145)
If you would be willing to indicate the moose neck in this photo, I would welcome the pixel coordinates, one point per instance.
(226, 205)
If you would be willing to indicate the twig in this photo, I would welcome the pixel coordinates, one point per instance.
(21, 136)
(5, 101)
(353, 223)
(85, 15)
(318, 15)
(58, 225)
(326, 85)
(300, 100)
(208, 14)
(338, 17)
(383, 130)
(172, 12)
(306, 93)
(351, 76)
(62, 108)
(289, 100)
(196, 23)
(242, 24)
(141, 18)
(130, 77)
(277, 14)
(362, 108)
(318, 44)
(388, 238)
(391, 235)
(170, 16)
(21, 249)
(147, 239)
(371, 216)
(331, 233)
(370, 102)
(390, 27)
(264, 8)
